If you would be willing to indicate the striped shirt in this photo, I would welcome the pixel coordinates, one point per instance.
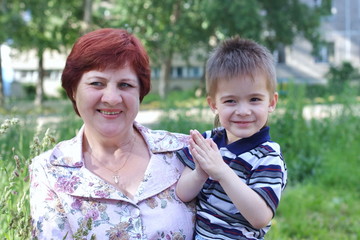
(259, 163)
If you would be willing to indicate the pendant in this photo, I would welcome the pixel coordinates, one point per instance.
(116, 179)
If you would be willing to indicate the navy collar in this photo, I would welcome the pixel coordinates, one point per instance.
(242, 145)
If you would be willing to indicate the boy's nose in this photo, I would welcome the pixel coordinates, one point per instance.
(243, 110)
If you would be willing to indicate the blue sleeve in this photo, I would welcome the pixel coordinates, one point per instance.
(186, 158)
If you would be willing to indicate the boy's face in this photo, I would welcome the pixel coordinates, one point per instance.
(243, 105)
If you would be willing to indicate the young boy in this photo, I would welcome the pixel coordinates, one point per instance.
(235, 170)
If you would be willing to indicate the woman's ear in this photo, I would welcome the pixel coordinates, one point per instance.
(74, 94)
(212, 104)
(273, 102)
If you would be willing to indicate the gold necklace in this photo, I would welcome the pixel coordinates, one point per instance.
(115, 176)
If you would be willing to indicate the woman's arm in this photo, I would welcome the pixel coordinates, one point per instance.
(48, 219)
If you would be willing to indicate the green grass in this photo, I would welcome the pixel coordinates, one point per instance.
(322, 156)
(316, 211)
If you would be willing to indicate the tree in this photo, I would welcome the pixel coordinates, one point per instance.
(45, 25)
(180, 26)
(8, 20)
(226, 18)
(300, 20)
(1, 84)
(273, 23)
(340, 76)
(165, 27)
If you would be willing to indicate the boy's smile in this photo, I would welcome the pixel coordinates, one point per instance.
(243, 105)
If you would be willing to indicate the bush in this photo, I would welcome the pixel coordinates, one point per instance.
(340, 76)
(30, 91)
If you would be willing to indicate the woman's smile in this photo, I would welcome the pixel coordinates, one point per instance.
(108, 100)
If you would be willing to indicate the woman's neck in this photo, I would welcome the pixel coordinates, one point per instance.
(102, 143)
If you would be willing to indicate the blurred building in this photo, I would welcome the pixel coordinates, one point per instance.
(341, 31)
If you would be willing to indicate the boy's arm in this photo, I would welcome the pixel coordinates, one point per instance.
(190, 184)
(249, 203)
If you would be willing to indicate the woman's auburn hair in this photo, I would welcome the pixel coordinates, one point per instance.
(106, 48)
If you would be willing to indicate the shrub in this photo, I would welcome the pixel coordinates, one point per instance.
(340, 76)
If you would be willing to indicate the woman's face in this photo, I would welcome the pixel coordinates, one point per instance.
(108, 100)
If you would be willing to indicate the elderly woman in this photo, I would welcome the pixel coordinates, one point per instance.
(116, 179)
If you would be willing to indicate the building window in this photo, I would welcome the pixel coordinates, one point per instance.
(179, 72)
(155, 73)
(325, 53)
(194, 72)
(176, 72)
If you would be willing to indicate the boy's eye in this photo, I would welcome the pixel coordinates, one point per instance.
(229, 101)
(255, 99)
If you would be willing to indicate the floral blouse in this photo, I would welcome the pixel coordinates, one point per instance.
(70, 202)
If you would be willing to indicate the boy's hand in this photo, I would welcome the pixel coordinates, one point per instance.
(199, 171)
(207, 155)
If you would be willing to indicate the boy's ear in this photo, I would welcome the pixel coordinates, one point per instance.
(212, 104)
(273, 102)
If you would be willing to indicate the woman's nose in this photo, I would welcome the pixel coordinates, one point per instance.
(112, 96)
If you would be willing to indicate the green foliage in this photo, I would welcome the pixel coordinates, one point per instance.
(316, 90)
(182, 120)
(311, 134)
(177, 27)
(179, 108)
(228, 18)
(150, 98)
(30, 90)
(185, 27)
(340, 76)
(287, 129)
(14, 202)
(286, 19)
(62, 93)
(46, 24)
(316, 211)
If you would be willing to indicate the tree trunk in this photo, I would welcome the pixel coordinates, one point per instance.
(40, 84)
(165, 72)
(281, 53)
(87, 15)
(2, 98)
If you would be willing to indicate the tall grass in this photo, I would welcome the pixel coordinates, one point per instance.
(20, 141)
(322, 155)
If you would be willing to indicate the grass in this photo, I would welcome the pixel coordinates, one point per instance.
(322, 155)
(314, 211)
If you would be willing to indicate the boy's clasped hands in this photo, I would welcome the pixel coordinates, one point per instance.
(207, 157)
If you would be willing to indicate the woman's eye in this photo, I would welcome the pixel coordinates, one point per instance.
(124, 85)
(96, 84)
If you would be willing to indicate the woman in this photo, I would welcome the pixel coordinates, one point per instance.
(116, 178)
